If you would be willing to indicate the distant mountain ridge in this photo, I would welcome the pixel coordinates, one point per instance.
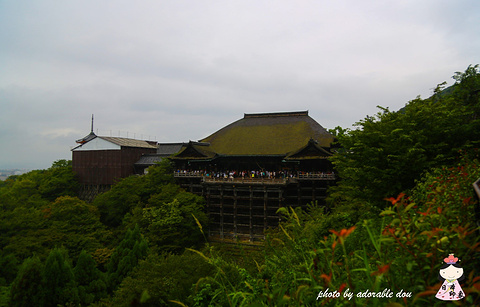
(5, 173)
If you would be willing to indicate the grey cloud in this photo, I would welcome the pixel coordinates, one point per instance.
(180, 70)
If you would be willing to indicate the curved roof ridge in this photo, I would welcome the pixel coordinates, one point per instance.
(275, 114)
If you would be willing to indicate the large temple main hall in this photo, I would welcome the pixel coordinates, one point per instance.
(246, 170)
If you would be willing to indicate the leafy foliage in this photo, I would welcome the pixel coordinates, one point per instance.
(28, 287)
(9, 265)
(164, 212)
(40, 211)
(132, 192)
(400, 249)
(132, 249)
(55, 283)
(91, 282)
(36, 188)
(160, 280)
(391, 150)
(468, 88)
(170, 224)
(437, 220)
(59, 180)
(60, 287)
(67, 221)
(121, 199)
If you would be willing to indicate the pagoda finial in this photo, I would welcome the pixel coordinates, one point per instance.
(89, 137)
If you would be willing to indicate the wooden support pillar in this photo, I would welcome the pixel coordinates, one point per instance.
(235, 197)
(299, 194)
(222, 236)
(207, 198)
(280, 202)
(313, 191)
(265, 206)
(251, 214)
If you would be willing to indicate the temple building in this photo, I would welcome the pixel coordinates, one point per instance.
(246, 171)
(100, 161)
(272, 141)
(249, 169)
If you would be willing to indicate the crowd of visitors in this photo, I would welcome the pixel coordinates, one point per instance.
(260, 174)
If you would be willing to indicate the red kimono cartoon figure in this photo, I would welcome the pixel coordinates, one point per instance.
(450, 273)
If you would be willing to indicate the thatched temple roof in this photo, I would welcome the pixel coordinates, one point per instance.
(268, 134)
(263, 134)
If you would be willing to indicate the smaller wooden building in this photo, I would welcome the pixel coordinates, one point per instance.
(100, 161)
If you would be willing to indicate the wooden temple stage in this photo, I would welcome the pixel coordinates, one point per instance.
(242, 209)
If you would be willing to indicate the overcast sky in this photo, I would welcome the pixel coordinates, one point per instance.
(175, 71)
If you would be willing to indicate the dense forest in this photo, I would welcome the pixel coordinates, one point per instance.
(404, 201)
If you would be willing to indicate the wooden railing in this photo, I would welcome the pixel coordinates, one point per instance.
(315, 176)
(298, 176)
(246, 180)
(186, 174)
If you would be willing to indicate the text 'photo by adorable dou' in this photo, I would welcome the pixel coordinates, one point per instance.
(450, 274)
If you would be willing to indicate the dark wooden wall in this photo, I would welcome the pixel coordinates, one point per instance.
(104, 167)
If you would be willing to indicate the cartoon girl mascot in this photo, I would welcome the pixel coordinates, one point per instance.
(450, 273)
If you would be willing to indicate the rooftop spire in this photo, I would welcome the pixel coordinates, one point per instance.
(87, 138)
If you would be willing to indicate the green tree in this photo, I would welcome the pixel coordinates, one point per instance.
(90, 281)
(67, 221)
(164, 212)
(28, 287)
(76, 225)
(126, 256)
(169, 220)
(390, 150)
(23, 191)
(161, 278)
(159, 174)
(9, 265)
(132, 192)
(120, 200)
(59, 180)
(60, 286)
(22, 233)
(38, 187)
(467, 88)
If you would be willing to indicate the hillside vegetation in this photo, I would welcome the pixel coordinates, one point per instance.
(403, 203)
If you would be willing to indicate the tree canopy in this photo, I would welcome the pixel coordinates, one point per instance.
(390, 150)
